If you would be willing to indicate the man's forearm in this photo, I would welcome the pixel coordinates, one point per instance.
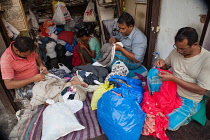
(128, 54)
(192, 87)
(39, 62)
(12, 84)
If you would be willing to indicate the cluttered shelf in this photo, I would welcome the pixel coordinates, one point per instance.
(47, 5)
(107, 4)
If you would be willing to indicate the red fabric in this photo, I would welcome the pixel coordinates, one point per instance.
(67, 36)
(157, 106)
(76, 60)
(44, 31)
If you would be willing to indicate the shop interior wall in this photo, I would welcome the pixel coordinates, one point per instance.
(175, 15)
(206, 42)
(2, 45)
(138, 11)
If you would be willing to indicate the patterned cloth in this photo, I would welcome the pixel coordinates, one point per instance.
(182, 115)
(24, 92)
(29, 126)
(58, 72)
(129, 63)
(153, 80)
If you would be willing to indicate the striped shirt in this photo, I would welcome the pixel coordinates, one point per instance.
(14, 67)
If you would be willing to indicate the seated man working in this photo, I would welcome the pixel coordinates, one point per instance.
(133, 40)
(190, 65)
(19, 68)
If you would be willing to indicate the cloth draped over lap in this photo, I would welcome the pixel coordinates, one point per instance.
(158, 105)
(52, 89)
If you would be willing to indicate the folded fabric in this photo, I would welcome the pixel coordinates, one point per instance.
(67, 36)
(153, 80)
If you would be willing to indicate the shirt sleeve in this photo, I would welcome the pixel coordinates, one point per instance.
(203, 79)
(168, 59)
(92, 44)
(7, 69)
(118, 36)
(139, 46)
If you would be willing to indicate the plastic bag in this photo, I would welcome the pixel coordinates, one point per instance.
(62, 66)
(121, 118)
(59, 118)
(64, 10)
(33, 20)
(89, 15)
(134, 85)
(118, 68)
(58, 17)
(99, 91)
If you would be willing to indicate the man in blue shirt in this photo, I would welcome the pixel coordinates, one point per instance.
(133, 40)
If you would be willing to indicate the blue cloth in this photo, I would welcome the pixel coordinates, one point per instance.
(139, 70)
(182, 115)
(135, 42)
(153, 80)
(70, 47)
(129, 63)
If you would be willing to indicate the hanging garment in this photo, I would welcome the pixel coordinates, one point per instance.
(107, 53)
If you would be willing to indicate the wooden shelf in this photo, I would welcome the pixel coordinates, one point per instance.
(107, 4)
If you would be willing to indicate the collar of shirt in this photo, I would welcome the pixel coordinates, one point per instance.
(131, 34)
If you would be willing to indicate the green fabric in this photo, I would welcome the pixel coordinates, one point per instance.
(95, 45)
(200, 116)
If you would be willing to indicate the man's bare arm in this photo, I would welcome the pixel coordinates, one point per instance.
(12, 84)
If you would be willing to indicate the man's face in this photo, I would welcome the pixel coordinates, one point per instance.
(124, 29)
(21, 54)
(183, 48)
(84, 38)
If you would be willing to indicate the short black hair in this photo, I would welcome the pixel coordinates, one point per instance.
(126, 18)
(24, 44)
(83, 32)
(188, 33)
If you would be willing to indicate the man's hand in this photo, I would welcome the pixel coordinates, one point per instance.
(118, 47)
(113, 40)
(82, 46)
(39, 77)
(165, 76)
(159, 63)
(43, 69)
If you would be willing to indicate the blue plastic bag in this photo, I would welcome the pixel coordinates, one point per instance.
(120, 115)
(134, 86)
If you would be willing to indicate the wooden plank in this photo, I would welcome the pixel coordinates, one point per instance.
(7, 99)
(4, 32)
(153, 7)
(205, 27)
